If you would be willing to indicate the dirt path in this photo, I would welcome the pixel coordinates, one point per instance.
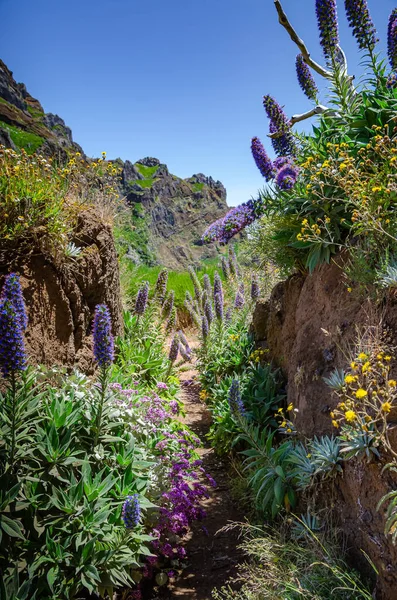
(212, 555)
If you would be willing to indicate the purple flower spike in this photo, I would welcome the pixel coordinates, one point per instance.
(391, 82)
(218, 301)
(281, 161)
(207, 284)
(142, 299)
(225, 268)
(131, 512)
(239, 300)
(12, 348)
(103, 338)
(204, 328)
(392, 39)
(228, 315)
(12, 291)
(327, 19)
(218, 289)
(287, 176)
(161, 285)
(360, 21)
(284, 144)
(261, 159)
(208, 312)
(306, 79)
(255, 289)
(235, 402)
(174, 348)
(168, 305)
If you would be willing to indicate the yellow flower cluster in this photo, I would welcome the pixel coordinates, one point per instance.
(368, 395)
(234, 337)
(204, 395)
(285, 425)
(258, 355)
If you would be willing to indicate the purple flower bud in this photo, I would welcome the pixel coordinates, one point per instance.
(281, 161)
(186, 353)
(171, 323)
(142, 299)
(174, 348)
(239, 300)
(168, 305)
(233, 264)
(392, 39)
(287, 177)
(284, 144)
(218, 289)
(12, 348)
(261, 159)
(204, 327)
(235, 402)
(228, 315)
(359, 18)
(208, 312)
(225, 268)
(306, 79)
(131, 512)
(327, 20)
(103, 338)
(218, 301)
(391, 82)
(12, 291)
(255, 290)
(161, 285)
(207, 284)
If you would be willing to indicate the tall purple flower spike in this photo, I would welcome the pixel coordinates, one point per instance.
(360, 21)
(306, 79)
(103, 338)
(327, 19)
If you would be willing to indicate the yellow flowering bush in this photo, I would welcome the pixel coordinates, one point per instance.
(40, 200)
(366, 397)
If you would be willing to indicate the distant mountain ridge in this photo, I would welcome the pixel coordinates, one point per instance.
(168, 214)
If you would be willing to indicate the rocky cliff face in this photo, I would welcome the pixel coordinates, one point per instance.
(170, 213)
(61, 298)
(176, 212)
(291, 324)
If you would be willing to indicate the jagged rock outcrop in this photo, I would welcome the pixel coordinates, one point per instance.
(61, 296)
(292, 324)
(177, 211)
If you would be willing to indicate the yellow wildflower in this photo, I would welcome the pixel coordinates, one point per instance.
(353, 365)
(362, 356)
(290, 406)
(335, 423)
(392, 383)
(361, 393)
(350, 416)
(350, 378)
(388, 358)
(366, 367)
(386, 407)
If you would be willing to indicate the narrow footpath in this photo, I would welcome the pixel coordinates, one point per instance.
(212, 555)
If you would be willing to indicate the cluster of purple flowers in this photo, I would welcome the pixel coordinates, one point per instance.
(184, 348)
(239, 300)
(359, 18)
(103, 338)
(13, 322)
(255, 289)
(235, 401)
(392, 39)
(287, 177)
(237, 219)
(174, 348)
(306, 79)
(160, 289)
(131, 512)
(327, 20)
(261, 159)
(142, 299)
(284, 143)
(205, 327)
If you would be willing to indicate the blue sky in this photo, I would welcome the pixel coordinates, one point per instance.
(179, 80)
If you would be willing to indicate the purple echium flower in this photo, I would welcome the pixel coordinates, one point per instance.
(12, 347)
(276, 114)
(194, 315)
(160, 289)
(103, 338)
(218, 289)
(284, 144)
(171, 323)
(327, 20)
(261, 159)
(183, 339)
(391, 82)
(142, 299)
(237, 219)
(208, 312)
(239, 300)
(204, 327)
(255, 290)
(287, 177)
(198, 290)
(228, 315)
(359, 18)
(207, 284)
(218, 301)
(233, 263)
(174, 348)
(281, 161)
(185, 352)
(168, 305)
(306, 79)
(131, 512)
(392, 39)
(12, 291)
(235, 401)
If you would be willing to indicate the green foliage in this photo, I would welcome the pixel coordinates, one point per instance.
(197, 187)
(147, 172)
(23, 139)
